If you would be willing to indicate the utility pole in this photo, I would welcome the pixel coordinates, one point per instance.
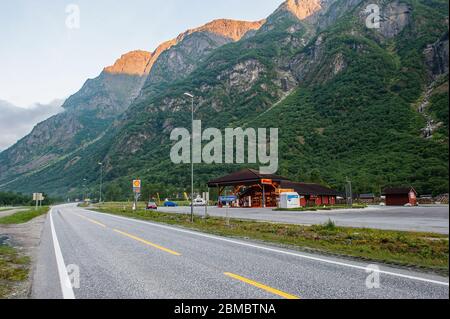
(84, 189)
(101, 181)
(192, 155)
(207, 203)
(349, 192)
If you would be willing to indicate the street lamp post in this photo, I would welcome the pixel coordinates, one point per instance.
(192, 155)
(101, 181)
(84, 189)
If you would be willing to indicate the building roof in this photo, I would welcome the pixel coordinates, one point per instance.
(398, 191)
(309, 189)
(244, 176)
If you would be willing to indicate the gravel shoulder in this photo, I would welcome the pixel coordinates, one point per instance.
(26, 239)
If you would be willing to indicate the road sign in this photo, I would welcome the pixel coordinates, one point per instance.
(266, 181)
(38, 196)
(227, 199)
(137, 185)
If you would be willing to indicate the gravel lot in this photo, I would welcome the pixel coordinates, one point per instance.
(426, 218)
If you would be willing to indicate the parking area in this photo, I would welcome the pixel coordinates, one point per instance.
(424, 219)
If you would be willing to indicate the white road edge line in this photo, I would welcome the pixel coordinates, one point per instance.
(323, 260)
(66, 285)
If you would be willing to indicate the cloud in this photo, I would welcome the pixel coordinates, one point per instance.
(17, 122)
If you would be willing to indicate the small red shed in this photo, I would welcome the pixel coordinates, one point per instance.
(400, 196)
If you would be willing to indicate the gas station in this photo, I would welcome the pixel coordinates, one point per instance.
(255, 190)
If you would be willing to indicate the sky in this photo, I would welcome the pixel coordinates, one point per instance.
(46, 54)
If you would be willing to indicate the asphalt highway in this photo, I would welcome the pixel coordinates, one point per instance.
(84, 255)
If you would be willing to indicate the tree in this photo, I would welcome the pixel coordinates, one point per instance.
(113, 192)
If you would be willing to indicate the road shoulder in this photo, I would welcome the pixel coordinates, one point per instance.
(25, 239)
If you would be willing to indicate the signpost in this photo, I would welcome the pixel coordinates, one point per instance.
(137, 185)
(38, 197)
(227, 200)
(206, 199)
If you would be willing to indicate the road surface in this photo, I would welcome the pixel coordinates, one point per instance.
(425, 219)
(124, 258)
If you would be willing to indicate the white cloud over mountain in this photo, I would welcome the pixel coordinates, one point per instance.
(16, 122)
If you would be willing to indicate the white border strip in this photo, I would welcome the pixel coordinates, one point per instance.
(328, 261)
(66, 285)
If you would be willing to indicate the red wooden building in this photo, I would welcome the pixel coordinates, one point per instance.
(262, 190)
(400, 196)
(312, 194)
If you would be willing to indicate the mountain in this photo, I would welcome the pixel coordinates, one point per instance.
(94, 108)
(368, 104)
(190, 48)
(86, 115)
(16, 122)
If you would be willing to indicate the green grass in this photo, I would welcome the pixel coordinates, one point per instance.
(13, 269)
(422, 250)
(24, 216)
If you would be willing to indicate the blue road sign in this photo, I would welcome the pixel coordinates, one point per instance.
(227, 199)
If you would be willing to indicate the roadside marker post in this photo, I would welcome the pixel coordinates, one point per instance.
(227, 200)
(206, 199)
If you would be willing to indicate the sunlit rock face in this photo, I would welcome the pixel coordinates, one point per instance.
(303, 9)
(131, 63)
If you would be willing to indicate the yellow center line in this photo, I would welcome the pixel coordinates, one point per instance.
(92, 221)
(261, 286)
(148, 243)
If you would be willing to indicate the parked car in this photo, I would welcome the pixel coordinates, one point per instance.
(199, 202)
(151, 206)
(170, 204)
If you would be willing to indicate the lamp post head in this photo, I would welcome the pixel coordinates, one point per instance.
(189, 95)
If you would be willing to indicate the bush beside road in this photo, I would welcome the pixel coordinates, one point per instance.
(428, 251)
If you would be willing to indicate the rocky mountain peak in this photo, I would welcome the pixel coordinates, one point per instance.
(303, 9)
(232, 29)
(131, 63)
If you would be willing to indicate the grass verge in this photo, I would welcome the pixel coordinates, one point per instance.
(422, 250)
(13, 269)
(24, 216)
